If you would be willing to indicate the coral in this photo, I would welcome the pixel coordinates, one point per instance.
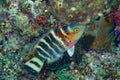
(99, 34)
(99, 65)
(61, 75)
(116, 17)
(73, 11)
(93, 65)
(9, 67)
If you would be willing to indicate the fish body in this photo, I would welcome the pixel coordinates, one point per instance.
(53, 44)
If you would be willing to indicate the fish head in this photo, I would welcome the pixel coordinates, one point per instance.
(72, 33)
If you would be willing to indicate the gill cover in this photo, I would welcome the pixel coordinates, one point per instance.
(74, 31)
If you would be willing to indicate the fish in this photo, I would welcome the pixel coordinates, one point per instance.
(53, 44)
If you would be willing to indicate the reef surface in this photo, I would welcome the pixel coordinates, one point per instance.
(97, 53)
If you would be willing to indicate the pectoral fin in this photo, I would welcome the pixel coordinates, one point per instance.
(71, 51)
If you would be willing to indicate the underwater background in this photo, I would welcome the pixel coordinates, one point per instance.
(97, 53)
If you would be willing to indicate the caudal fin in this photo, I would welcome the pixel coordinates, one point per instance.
(34, 65)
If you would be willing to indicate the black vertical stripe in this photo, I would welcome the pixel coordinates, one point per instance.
(47, 49)
(42, 53)
(55, 41)
(52, 38)
(40, 57)
(35, 63)
(34, 72)
(52, 45)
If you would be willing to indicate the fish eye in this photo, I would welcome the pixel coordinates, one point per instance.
(76, 30)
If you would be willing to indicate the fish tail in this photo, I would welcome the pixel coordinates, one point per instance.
(34, 65)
